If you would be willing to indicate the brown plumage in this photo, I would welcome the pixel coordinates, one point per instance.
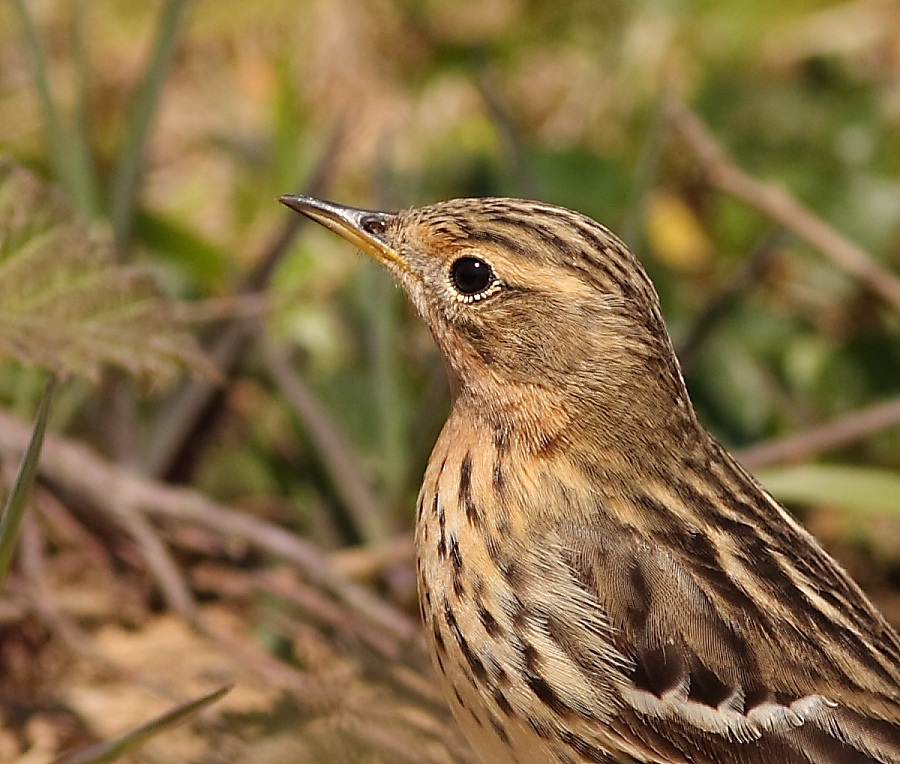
(600, 580)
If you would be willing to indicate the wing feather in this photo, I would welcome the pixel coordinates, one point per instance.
(706, 683)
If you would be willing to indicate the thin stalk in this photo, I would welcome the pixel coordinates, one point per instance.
(127, 177)
(11, 520)
(129, 742)
(81, 140)
(68, 165)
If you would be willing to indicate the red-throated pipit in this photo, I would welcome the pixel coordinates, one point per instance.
(600, 581)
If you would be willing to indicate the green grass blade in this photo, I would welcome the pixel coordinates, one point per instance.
(127, 177)
(862, 490)
(65, 160)
(82, 166)
(14, 510)
(110, 750)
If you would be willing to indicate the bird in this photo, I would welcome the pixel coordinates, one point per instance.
(599, 579)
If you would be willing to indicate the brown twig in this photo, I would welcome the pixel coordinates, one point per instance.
(324, 610)
(367, 562)
(161, 564)
(41, 601)
(314, 694)
(40, 596)
(834, 434)
(781, 206)
(178, 424)
(165, 570)
(188, 506)
(112, 487)
(243, 305)
(69, 531)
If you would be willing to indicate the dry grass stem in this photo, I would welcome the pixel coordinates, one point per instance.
(781, 206)
(840, 432)
(110, 488)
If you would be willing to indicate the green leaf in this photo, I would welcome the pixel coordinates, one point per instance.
(860, 489)
(203, 261)
(14, 510)
(67, 306)
(110, 750)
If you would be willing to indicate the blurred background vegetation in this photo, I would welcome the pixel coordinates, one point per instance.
(170, 127)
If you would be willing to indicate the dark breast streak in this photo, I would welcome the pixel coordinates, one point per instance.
(498, 644)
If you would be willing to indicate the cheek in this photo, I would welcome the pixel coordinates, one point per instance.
(422, 302)
(544, 337)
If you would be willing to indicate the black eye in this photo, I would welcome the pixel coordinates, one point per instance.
(373, 225)
(471, 276)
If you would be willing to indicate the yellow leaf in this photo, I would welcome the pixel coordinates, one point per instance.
(676, 234)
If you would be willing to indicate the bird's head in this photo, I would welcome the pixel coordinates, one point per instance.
(534, 307)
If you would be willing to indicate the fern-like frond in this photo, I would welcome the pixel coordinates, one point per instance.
(65, 304)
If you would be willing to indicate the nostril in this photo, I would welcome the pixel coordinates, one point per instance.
(373, 225)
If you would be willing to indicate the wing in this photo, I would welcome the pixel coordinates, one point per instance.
(758, 651)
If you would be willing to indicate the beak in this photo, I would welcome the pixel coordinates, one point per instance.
(365, 228)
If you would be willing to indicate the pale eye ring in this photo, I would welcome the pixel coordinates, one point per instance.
(473, 279)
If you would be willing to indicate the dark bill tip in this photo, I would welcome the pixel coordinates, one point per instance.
(367, 229)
